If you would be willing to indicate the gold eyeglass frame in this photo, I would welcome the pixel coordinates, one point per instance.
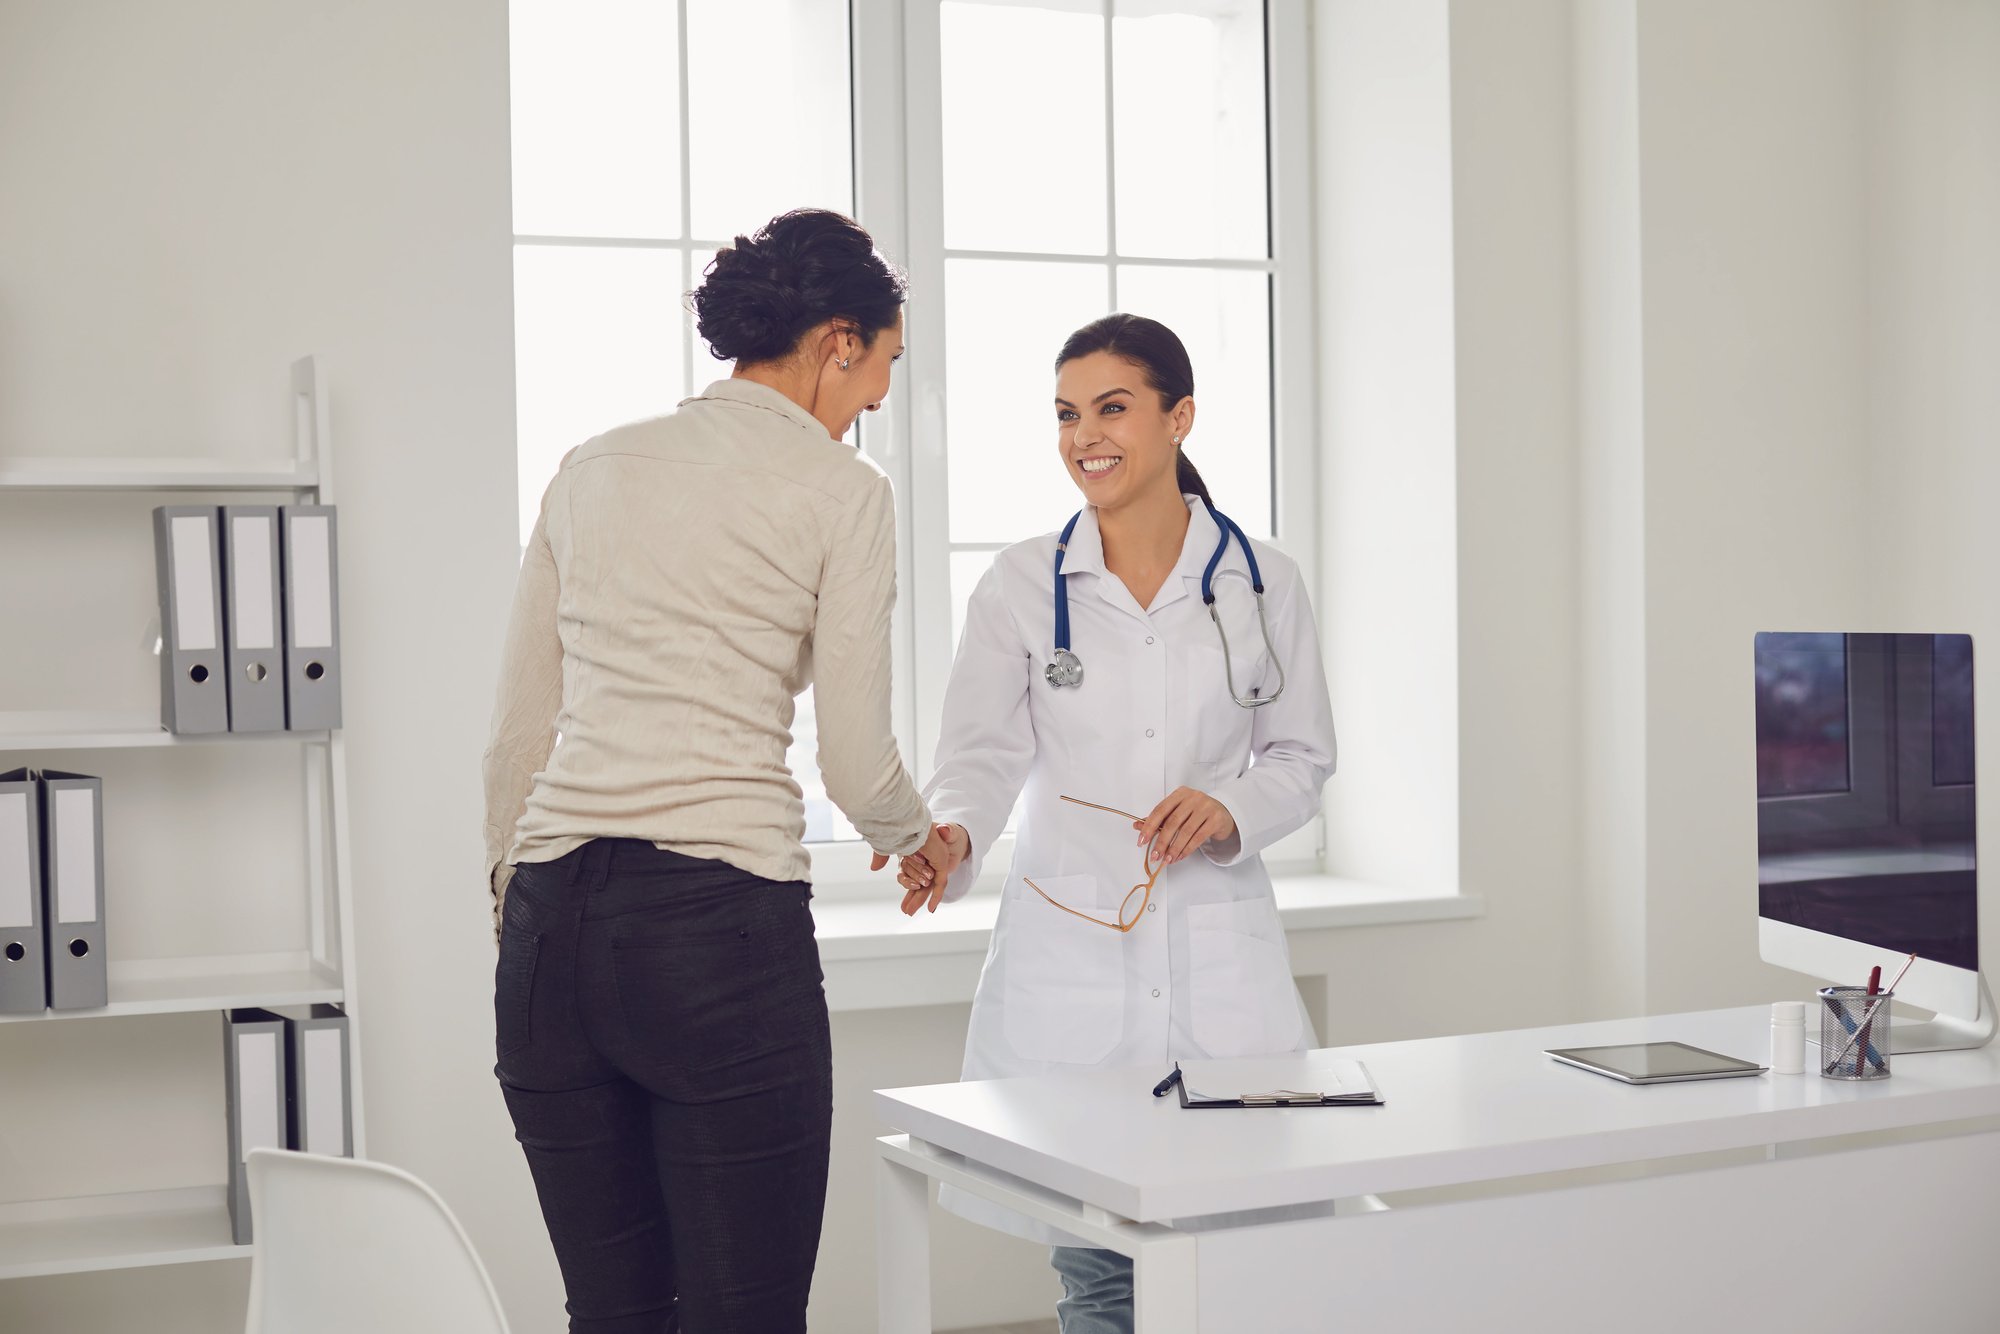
(1144, 889)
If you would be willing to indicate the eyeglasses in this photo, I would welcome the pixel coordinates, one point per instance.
(1128, 914)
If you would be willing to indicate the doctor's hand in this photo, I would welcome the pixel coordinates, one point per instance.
(1185, 819)
(925, 872)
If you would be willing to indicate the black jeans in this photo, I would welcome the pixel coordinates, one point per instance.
(665, 1054)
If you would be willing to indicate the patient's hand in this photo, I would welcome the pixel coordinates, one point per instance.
(924, 873)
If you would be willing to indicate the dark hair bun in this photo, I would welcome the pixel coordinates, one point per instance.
(762, 294)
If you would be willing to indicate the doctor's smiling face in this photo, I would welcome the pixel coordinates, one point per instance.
(1118, 430)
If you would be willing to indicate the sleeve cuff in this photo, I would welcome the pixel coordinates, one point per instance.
(967, 875)
(1229, 851)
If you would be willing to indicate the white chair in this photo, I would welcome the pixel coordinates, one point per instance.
(345, 1247)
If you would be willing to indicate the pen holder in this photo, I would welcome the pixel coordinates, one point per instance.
(1853, 1033)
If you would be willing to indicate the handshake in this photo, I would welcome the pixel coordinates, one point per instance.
(923, 873)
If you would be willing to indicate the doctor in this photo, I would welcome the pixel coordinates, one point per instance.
(1153, 661)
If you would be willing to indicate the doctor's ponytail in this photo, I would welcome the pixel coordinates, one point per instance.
(1155, 350)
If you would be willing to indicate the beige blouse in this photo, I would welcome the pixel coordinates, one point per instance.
(688, 577)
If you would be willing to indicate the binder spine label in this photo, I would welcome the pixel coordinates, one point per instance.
(312, 582)
(76, 855)
(194, 610)
(257, 1084)
(326, 1092)
(17, 894)
(251, 594)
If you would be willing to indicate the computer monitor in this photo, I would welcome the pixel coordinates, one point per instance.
(1866, 825)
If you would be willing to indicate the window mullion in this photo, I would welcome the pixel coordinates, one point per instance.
(883, 183)
(687, 206)
(928, 490)
(1110, 164)
(1295, 469)
(1294, 405)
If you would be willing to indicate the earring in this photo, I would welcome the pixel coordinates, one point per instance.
(841, 362)
(1177, 442)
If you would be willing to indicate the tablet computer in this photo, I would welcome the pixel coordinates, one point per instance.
(1655, 1062)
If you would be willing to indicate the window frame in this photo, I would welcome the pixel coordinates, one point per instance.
(897, 146)
(898, 191)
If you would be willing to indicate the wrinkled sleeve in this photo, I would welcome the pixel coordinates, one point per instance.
(852, 680)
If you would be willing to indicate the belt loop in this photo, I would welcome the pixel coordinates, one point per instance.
(597, 862)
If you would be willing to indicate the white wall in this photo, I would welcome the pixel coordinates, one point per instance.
(1788, 306)
(1447, 423)
(1753, 269)
(1933, 336)
(1383, 188)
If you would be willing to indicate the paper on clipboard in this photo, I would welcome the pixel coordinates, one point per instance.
(1278, 1081)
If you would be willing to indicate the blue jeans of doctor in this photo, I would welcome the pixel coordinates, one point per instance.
(1097, 1290)
(665, 1054)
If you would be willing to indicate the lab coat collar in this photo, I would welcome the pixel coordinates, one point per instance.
(761, 396)
(1085, 554)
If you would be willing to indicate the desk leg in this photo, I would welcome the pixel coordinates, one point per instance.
(1163, 1285)
(902, 1248)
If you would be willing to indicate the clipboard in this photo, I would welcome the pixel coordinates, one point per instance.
(1326, 1082)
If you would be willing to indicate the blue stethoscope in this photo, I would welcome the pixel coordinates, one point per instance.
(1066, 669)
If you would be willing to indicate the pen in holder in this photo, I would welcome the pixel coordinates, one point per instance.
(1854, 1033)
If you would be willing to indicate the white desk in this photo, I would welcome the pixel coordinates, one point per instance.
(1803, 1203)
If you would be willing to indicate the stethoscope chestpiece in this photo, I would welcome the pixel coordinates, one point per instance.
(1065, 670)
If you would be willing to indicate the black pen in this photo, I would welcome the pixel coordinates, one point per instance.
(1160, 1089)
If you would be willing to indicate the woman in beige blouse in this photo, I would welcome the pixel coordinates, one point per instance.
(661, 1027)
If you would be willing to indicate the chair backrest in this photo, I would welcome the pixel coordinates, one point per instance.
(346, 1246)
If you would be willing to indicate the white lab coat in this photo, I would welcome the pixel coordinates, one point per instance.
(1206, 973)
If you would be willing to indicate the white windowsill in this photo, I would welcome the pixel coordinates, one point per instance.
(876, 958)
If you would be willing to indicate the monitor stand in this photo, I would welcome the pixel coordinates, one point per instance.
(1944, 1032)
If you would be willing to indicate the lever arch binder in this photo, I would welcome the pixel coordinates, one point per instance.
(253, 1063)
(73, 873)
(24, 978)
(250, 590)
(320, 1115)
(312, 617)
(192, 697)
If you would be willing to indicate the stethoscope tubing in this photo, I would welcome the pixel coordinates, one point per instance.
(1065, 669)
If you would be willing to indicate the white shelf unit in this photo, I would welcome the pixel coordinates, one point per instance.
(148, 1228)
(58, 474)
(134, 1231)
(52, 730)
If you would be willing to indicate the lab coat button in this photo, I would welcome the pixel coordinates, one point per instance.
(1156, 993)
(1152, 907)
(1149, 731)
(1149, 639)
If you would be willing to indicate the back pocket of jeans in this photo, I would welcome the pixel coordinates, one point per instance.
(715, 1003)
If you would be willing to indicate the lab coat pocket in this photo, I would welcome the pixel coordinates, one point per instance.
(1063, 988)
(1241, 996)
(1222, 728)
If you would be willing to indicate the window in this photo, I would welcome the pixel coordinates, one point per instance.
(1067, 158)
(636, 155)
(1137, 183)
(1033, 165)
